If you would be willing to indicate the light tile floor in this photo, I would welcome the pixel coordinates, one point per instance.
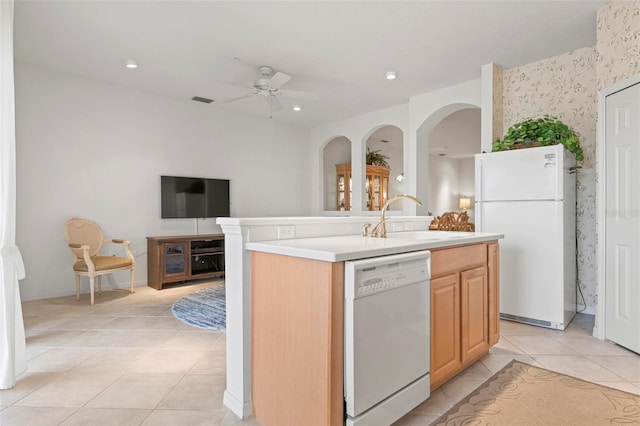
(128, 361)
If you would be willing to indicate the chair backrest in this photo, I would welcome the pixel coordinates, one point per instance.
(81, 231)
(452, 221)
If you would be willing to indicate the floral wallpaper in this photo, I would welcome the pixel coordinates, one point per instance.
(564, 86)
(618, 42)
(497, 103)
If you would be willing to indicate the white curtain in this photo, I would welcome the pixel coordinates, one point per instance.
(13, 358)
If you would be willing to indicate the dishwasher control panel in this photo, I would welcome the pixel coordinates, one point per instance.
(376, 275)
(379, 279)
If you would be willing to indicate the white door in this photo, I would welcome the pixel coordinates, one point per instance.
(622, 223)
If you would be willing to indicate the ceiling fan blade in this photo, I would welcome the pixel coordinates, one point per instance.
(278, 80)
(238, 98)
(298, 94)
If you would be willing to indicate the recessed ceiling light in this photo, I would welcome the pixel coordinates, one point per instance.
(297, 108)
(390, 75)
(130, 63)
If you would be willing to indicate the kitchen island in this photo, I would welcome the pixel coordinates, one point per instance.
(298, 307)
(239, 232)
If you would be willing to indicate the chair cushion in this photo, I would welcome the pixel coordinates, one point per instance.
(103, 263)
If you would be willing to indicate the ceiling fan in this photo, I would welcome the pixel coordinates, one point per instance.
(269, 87)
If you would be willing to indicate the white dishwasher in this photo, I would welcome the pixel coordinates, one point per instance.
(387, 337)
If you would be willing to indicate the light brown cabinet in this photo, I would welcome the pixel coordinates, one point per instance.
(494, 292)
(445, 337)
(474, 303)
(297, 340)
(376, 186)
(464, 308)
(182, 258)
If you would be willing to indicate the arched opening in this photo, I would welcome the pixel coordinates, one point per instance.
(336, 195)
(384, 159)
(446, 144)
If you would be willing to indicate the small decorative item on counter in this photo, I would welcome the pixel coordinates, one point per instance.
(452, 221)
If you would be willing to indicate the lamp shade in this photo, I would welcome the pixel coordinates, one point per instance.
(465, 203)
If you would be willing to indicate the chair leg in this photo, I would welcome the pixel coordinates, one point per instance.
(133, 276)
(91, 285)
(77, 287)
(99, 284)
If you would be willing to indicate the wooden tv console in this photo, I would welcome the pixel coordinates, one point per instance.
(181, 258)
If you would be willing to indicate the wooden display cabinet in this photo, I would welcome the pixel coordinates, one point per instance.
(343, 190)
(376, 186)
(174, 259)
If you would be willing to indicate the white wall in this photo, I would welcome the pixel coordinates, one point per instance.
(466, 180)
(96, 151)
(450, 179)
(444, 185)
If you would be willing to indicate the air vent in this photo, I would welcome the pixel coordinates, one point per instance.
(203, 100)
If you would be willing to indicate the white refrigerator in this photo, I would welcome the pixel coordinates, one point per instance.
(529, 196)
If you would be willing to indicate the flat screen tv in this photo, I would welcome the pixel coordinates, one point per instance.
(189, 197)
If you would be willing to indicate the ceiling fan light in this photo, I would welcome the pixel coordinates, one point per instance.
(297, 108)
(390, 75)
(131, 64)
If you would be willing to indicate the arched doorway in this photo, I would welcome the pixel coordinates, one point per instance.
(386, 142)
(456, 133)
(336, 151)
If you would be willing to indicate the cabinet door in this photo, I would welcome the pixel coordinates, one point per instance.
(445, 328)
(175, 260)
(344, 191)
(494, 292)
(474, 313)
(377, 187)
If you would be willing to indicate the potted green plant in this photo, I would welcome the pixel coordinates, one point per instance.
(375, 158)
(543, 131)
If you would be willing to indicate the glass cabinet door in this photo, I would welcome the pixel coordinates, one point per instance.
(341, 192)
(174, 259)
(385, 190)
(376, 192)
(343, 186)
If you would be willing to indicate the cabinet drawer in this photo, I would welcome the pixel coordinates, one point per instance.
(456, 259)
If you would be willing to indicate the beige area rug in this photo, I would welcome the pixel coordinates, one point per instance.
(521, 394)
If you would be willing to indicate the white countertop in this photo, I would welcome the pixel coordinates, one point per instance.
(350, 247)
(343, 217)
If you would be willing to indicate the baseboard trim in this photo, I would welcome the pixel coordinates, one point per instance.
(590, 310)
(237, 407)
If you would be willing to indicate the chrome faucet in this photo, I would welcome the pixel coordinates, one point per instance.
(380, 230)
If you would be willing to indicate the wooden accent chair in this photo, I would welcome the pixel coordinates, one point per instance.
(85, 239)
(452, 221)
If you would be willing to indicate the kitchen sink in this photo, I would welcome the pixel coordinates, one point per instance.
(428, 235)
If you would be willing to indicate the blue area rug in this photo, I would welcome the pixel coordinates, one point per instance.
(204, 308)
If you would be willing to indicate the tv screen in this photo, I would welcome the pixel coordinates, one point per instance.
(188, 197)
